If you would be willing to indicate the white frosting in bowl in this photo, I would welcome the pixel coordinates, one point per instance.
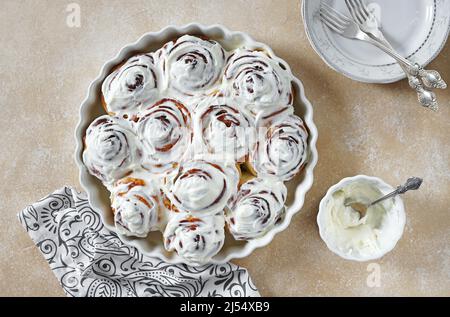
(360, 237)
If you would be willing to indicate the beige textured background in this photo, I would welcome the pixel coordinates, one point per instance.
(46, 67)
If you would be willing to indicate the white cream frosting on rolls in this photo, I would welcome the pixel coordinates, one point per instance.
(258, 83)
(361, 237)
(201, 187)
(165, 132)
(225, 130)
(256, 208)
(131, 85)
(282, 150)
(110, 148)
(136, 206)
(196, 239)
(192, 65)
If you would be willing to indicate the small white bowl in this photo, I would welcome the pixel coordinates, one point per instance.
(398, 208)
(99, 196)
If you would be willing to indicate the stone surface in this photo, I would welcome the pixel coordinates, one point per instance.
(46, 67)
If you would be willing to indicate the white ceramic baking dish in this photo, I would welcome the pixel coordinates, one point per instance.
(91, 108)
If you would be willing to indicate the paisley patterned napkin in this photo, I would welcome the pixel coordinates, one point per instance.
(89, 260)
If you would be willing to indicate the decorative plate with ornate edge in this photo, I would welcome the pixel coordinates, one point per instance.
(416, 29)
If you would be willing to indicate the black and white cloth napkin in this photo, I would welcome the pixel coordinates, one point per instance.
(90, 260)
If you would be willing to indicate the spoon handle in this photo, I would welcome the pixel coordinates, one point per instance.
(417, 76)
(412, 183)
(430, 78)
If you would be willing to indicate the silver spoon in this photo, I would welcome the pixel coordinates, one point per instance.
(412, 183)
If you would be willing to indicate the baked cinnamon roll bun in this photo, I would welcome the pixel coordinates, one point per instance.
(164, 131)
(192, 65)
(136, 206)
(225, 131)
(259, 84)
(282, 150)
(134, 83)
(110, 148)
(196, 239)
(256, 208)
(200, 187)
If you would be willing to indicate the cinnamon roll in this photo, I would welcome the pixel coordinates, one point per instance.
(196, 239)
(192, 65)
(259, 84)
(131, 85)
(164, 130)
(256, 208)
(282, 151)
(226, 131)
(110, 148)
(201, 187)
(136, 206)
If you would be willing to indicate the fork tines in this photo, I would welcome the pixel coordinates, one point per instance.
(332, 18)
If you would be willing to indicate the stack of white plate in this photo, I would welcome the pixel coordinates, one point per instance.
(417, 29)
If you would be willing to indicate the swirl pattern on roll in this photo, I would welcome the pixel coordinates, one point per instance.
(260, 85)
(164, 130)
(131, 85)
(282, 151)
(110, 149)
(136, 206)
(192, 65)
(196, 239)
(225, 130)
(201, 187)
(256, 208)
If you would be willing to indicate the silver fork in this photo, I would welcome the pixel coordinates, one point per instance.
(348, 28)
(369, 24)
